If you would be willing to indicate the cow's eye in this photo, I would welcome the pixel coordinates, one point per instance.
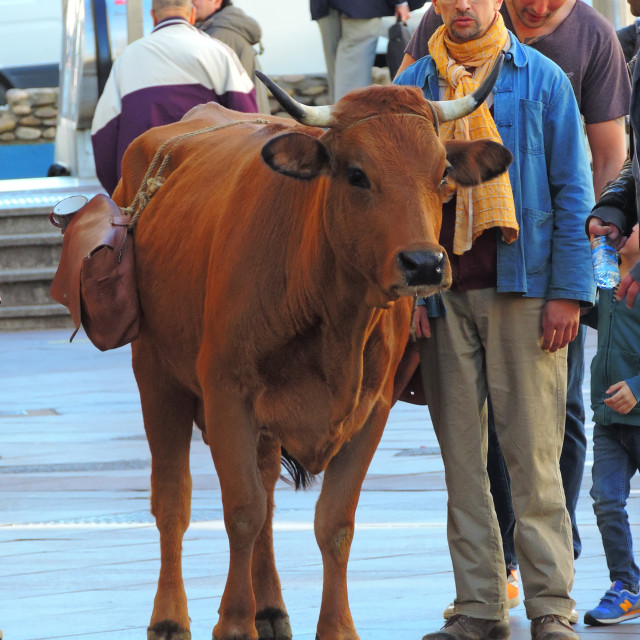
(358, 178)
(444, 180)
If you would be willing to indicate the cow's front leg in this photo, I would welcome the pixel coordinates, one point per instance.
(272, 620)
(168, 413)
(334, 525)
(233, 440)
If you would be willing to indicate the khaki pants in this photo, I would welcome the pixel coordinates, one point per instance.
(349, 51)
(489, 343)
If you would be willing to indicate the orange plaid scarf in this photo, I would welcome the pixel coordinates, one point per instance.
(490, 204)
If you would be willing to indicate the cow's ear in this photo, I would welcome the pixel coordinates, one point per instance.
(297, 155)
(476, 161)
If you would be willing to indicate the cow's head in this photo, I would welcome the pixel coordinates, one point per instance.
(386, 171)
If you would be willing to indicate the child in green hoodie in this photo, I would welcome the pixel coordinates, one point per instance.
(615, 391)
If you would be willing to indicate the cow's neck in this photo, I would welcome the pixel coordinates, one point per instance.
(331, 287)
(326, 303)
(352, 318)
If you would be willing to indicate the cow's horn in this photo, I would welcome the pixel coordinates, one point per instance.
(453, 109)
(312, 116)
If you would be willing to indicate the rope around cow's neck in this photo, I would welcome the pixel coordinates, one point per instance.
(150, 185)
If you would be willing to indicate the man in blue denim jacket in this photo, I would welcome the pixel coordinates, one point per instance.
(503, 330)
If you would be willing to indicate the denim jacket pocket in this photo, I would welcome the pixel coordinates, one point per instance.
(532, 123)
(537, 234)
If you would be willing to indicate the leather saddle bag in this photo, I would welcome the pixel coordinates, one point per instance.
(96, 277)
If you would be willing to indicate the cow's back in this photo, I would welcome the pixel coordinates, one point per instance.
(207, 232)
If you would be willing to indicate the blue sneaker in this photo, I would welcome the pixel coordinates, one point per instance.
(617, 605)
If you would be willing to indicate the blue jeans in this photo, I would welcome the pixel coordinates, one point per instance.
(616, 458)
(572, 459)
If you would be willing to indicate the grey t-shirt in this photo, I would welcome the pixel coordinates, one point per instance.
(584, 46)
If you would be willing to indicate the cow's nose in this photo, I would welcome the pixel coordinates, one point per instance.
(422, 267)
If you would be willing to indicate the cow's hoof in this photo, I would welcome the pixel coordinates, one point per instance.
(168, 630)
(235, 636)
(273, 624)
(345, 635)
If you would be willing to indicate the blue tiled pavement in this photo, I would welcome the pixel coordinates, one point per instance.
(79, 551)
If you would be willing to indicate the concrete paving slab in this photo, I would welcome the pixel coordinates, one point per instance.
(79, 553)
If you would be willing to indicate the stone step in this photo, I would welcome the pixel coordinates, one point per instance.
(35, 316)
(42, 194)
(26, 221)
(25, 203)
(26, 286)
(30, 250)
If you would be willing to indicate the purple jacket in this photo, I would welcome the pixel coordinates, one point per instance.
(155, 81)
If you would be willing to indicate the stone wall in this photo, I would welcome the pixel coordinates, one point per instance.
(30, 115)
(313, 90)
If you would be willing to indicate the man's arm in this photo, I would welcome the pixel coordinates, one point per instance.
(615, 212)
(407, 61)
(571, 189)
(402, 11)
(560, 322)
(607, 141)
(561, 318)
(614, 215)
(238, 93)
(421, 322)
(629, 287)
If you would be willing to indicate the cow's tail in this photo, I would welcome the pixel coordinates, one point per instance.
(300, 477)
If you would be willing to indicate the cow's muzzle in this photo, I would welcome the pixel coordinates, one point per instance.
(421, 268)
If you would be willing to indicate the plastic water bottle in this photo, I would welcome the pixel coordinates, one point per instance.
(605, 262)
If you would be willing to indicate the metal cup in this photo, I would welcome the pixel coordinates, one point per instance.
(64, 211)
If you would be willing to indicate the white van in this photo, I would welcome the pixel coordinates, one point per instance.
(30, 43)
(31, 39)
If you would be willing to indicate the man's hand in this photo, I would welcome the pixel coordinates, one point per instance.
(598, 228)
(560, 322)
(402, 12)
(622, 400)
(630, 288)
(421, 322)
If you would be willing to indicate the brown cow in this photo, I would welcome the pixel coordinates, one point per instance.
(276, 268)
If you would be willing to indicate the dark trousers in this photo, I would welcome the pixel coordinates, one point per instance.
(616, 459)
(574, 451)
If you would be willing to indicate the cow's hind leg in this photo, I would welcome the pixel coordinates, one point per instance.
(272, 620)
(168, 413)
(334, 525)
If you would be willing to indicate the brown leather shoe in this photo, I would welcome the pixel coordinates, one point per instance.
(461, 627)
(552, 627)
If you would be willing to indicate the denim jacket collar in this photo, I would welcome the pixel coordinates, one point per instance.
(516, 52)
